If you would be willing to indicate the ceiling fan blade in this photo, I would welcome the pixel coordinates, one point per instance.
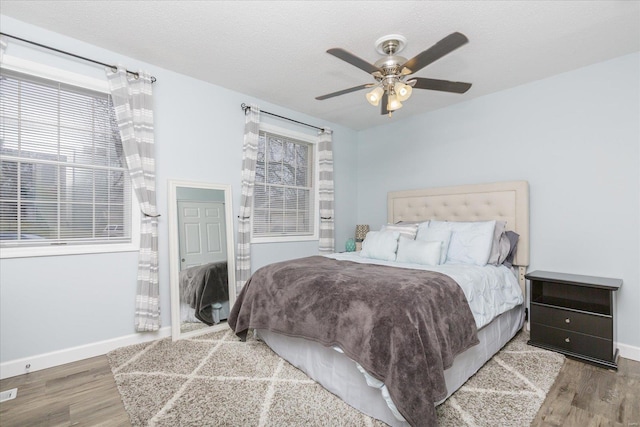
(343, 91)
(441, 85)
(435, 52)
(354, 60)
(383, 104)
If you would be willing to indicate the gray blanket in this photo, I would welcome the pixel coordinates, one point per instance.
(403, 326)
(202, 286)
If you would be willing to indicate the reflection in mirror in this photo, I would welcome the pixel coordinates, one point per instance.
(201, 257)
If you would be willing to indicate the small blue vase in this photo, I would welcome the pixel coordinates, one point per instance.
(351, 245)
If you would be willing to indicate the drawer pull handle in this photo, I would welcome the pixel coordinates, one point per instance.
(567, 320)
(567, 340)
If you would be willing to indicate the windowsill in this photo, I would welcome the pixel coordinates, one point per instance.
(7, 253)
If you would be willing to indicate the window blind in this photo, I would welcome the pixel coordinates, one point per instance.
(63, 176)
(283, 202)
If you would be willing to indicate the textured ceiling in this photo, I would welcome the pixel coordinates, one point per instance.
(276, 50)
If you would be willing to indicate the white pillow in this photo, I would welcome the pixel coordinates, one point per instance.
(419, 251)
(437, 231)
(470, 241)
(422, 227)
(406, 230)
(380, 245)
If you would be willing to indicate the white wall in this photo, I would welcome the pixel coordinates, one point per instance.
(574, 137)
(55, 303)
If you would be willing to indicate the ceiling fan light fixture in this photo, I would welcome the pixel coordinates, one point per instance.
(394, 103)
(403, 91)
(375, 96)
(392, 86)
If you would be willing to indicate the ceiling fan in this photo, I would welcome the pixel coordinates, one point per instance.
(391, 73)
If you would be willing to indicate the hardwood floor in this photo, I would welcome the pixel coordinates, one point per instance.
(84, 393)
(586, 395)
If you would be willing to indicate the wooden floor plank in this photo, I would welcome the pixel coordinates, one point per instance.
(588, 395)
(83, 393)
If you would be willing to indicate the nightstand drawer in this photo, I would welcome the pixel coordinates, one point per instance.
(600, 326)
(574, 342)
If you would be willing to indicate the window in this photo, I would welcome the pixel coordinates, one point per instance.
(284, 201)
(63, 179)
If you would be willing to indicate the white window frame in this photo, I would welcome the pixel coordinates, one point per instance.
(44, 71)
(313, 141)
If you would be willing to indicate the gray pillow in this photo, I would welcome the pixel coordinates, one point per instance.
(513, 243)
(497, 249)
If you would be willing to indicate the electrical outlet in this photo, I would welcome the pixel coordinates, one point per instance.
(8, 395)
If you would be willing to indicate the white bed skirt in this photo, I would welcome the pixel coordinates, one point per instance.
(188, 314)
(339, 374)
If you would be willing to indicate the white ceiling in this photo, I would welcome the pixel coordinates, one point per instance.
(276, 50)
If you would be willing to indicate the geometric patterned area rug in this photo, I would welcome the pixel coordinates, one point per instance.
(216, 380)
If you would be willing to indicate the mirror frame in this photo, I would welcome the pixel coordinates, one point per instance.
(174, 261)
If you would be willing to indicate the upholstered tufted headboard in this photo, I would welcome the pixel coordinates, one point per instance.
(508, 201)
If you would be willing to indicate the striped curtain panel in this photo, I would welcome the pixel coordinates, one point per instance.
(325, 188)
(133, 103)
(249, 155)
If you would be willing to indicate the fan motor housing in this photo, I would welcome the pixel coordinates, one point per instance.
(391, 64)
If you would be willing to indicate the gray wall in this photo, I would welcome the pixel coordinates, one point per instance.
(574, 137)
(54, 303)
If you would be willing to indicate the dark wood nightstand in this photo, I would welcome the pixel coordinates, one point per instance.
(574, 315)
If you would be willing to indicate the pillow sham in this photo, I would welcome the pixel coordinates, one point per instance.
(513, 238)
(437, 233)
(408, 230)
(470, 241)
(505, 247)
(423, 226)
(380, 245)
(496, 248)
(418, 223)
(419, 251)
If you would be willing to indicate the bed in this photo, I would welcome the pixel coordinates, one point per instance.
(333, 364)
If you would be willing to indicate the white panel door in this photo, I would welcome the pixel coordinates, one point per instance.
(203, 238)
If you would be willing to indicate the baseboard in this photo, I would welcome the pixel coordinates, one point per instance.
(629, 352)
(38, 362)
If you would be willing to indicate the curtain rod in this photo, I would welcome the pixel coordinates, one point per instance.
(245, 107)
(113, 67)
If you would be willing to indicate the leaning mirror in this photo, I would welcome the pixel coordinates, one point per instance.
(202, 264)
